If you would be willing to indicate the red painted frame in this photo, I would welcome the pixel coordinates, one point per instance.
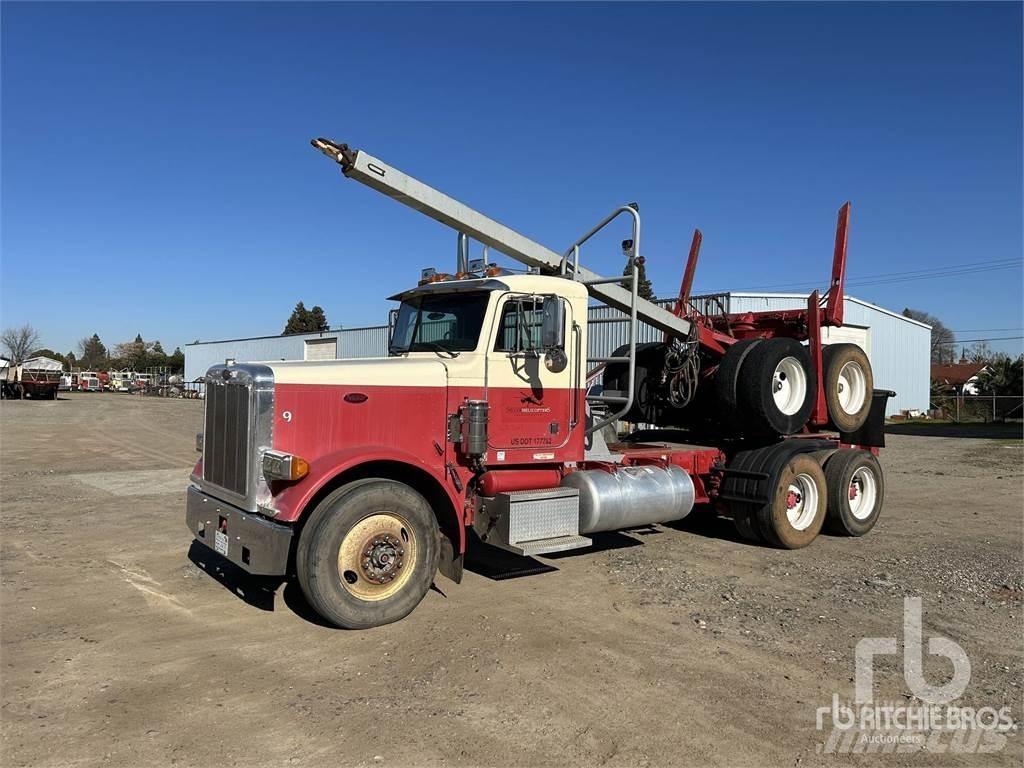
(717, 333)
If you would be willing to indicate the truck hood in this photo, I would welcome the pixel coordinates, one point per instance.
(377, 371)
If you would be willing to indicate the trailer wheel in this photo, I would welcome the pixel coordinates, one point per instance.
(368, 554)
(795, 512)
(776, 388)
(856, 490)
(848, 385)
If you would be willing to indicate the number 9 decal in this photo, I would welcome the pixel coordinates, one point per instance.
(287, 416)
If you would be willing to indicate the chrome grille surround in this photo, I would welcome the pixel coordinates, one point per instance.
(238, 428)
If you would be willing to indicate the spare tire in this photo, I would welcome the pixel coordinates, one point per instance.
(848, 383)
(727, 382)
(776, 389)
(650, 361)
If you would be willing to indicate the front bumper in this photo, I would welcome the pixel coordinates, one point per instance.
(251, 542)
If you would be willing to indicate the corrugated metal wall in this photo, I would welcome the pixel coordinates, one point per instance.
(899, 347)
(199, 357)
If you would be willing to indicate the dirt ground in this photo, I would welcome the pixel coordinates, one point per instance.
(668, 646)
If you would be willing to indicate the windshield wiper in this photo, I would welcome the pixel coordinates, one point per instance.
(435, 347)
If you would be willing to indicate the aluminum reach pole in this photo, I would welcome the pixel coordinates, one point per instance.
(374, 173)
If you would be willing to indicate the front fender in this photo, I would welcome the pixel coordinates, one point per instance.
(292, 500)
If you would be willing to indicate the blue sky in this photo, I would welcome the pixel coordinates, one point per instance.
(157, 176)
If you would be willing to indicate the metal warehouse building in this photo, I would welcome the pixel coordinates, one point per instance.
(898, 347)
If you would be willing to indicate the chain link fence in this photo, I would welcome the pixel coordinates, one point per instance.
(977, 408)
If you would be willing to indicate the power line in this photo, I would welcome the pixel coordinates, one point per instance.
(968, 341)
(986, 330)
(952, 270)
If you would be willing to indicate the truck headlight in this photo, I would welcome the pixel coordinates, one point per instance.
(278, 465)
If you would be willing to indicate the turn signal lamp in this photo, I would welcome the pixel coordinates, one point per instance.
(278, 465)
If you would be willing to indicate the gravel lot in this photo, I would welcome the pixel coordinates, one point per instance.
(674, 645)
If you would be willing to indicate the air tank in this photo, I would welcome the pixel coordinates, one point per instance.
(631, 496)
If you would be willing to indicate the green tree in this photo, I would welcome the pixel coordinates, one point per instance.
(644, 288)
(304, 320)
(176, 361)
(91, 352)
(318, 319)
(1003, 376)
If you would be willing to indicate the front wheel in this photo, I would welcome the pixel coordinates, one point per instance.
(368, 554)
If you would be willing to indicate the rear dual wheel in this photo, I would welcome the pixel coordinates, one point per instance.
(795, 511)
(856, 490)
(778, 494)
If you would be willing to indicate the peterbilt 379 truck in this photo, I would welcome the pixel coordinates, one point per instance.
(365, 478)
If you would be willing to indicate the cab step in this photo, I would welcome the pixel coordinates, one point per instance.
(544, 546)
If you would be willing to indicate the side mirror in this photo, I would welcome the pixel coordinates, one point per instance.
(552, 332)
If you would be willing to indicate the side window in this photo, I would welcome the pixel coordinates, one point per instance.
(520, 326)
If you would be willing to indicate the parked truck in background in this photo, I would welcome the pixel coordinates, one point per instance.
(364, 478)
(37, 378)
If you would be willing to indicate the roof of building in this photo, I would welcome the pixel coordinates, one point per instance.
(956, 373)
(848, 297)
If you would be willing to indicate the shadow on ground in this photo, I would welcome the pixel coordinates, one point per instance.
(1008, 431)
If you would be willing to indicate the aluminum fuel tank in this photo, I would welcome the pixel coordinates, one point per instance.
(631, 496)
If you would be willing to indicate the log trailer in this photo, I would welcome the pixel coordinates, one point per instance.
(364, 478)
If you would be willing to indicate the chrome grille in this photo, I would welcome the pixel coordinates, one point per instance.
(226, 440)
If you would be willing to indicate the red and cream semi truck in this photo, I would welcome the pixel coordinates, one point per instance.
(363, 478)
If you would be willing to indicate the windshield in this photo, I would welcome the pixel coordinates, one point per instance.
(448, 322)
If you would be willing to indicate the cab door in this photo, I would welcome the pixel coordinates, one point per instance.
(533, 395)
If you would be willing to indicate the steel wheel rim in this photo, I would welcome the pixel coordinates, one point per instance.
(802, 502)
(863, 493)
(789, 385)
(377, 556)
(851, 387)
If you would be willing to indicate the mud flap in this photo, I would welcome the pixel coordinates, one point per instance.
(872, 432)
(448, 563)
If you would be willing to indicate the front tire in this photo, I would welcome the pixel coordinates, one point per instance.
(368, 554)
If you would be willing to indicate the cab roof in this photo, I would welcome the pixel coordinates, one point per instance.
(517, 283)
